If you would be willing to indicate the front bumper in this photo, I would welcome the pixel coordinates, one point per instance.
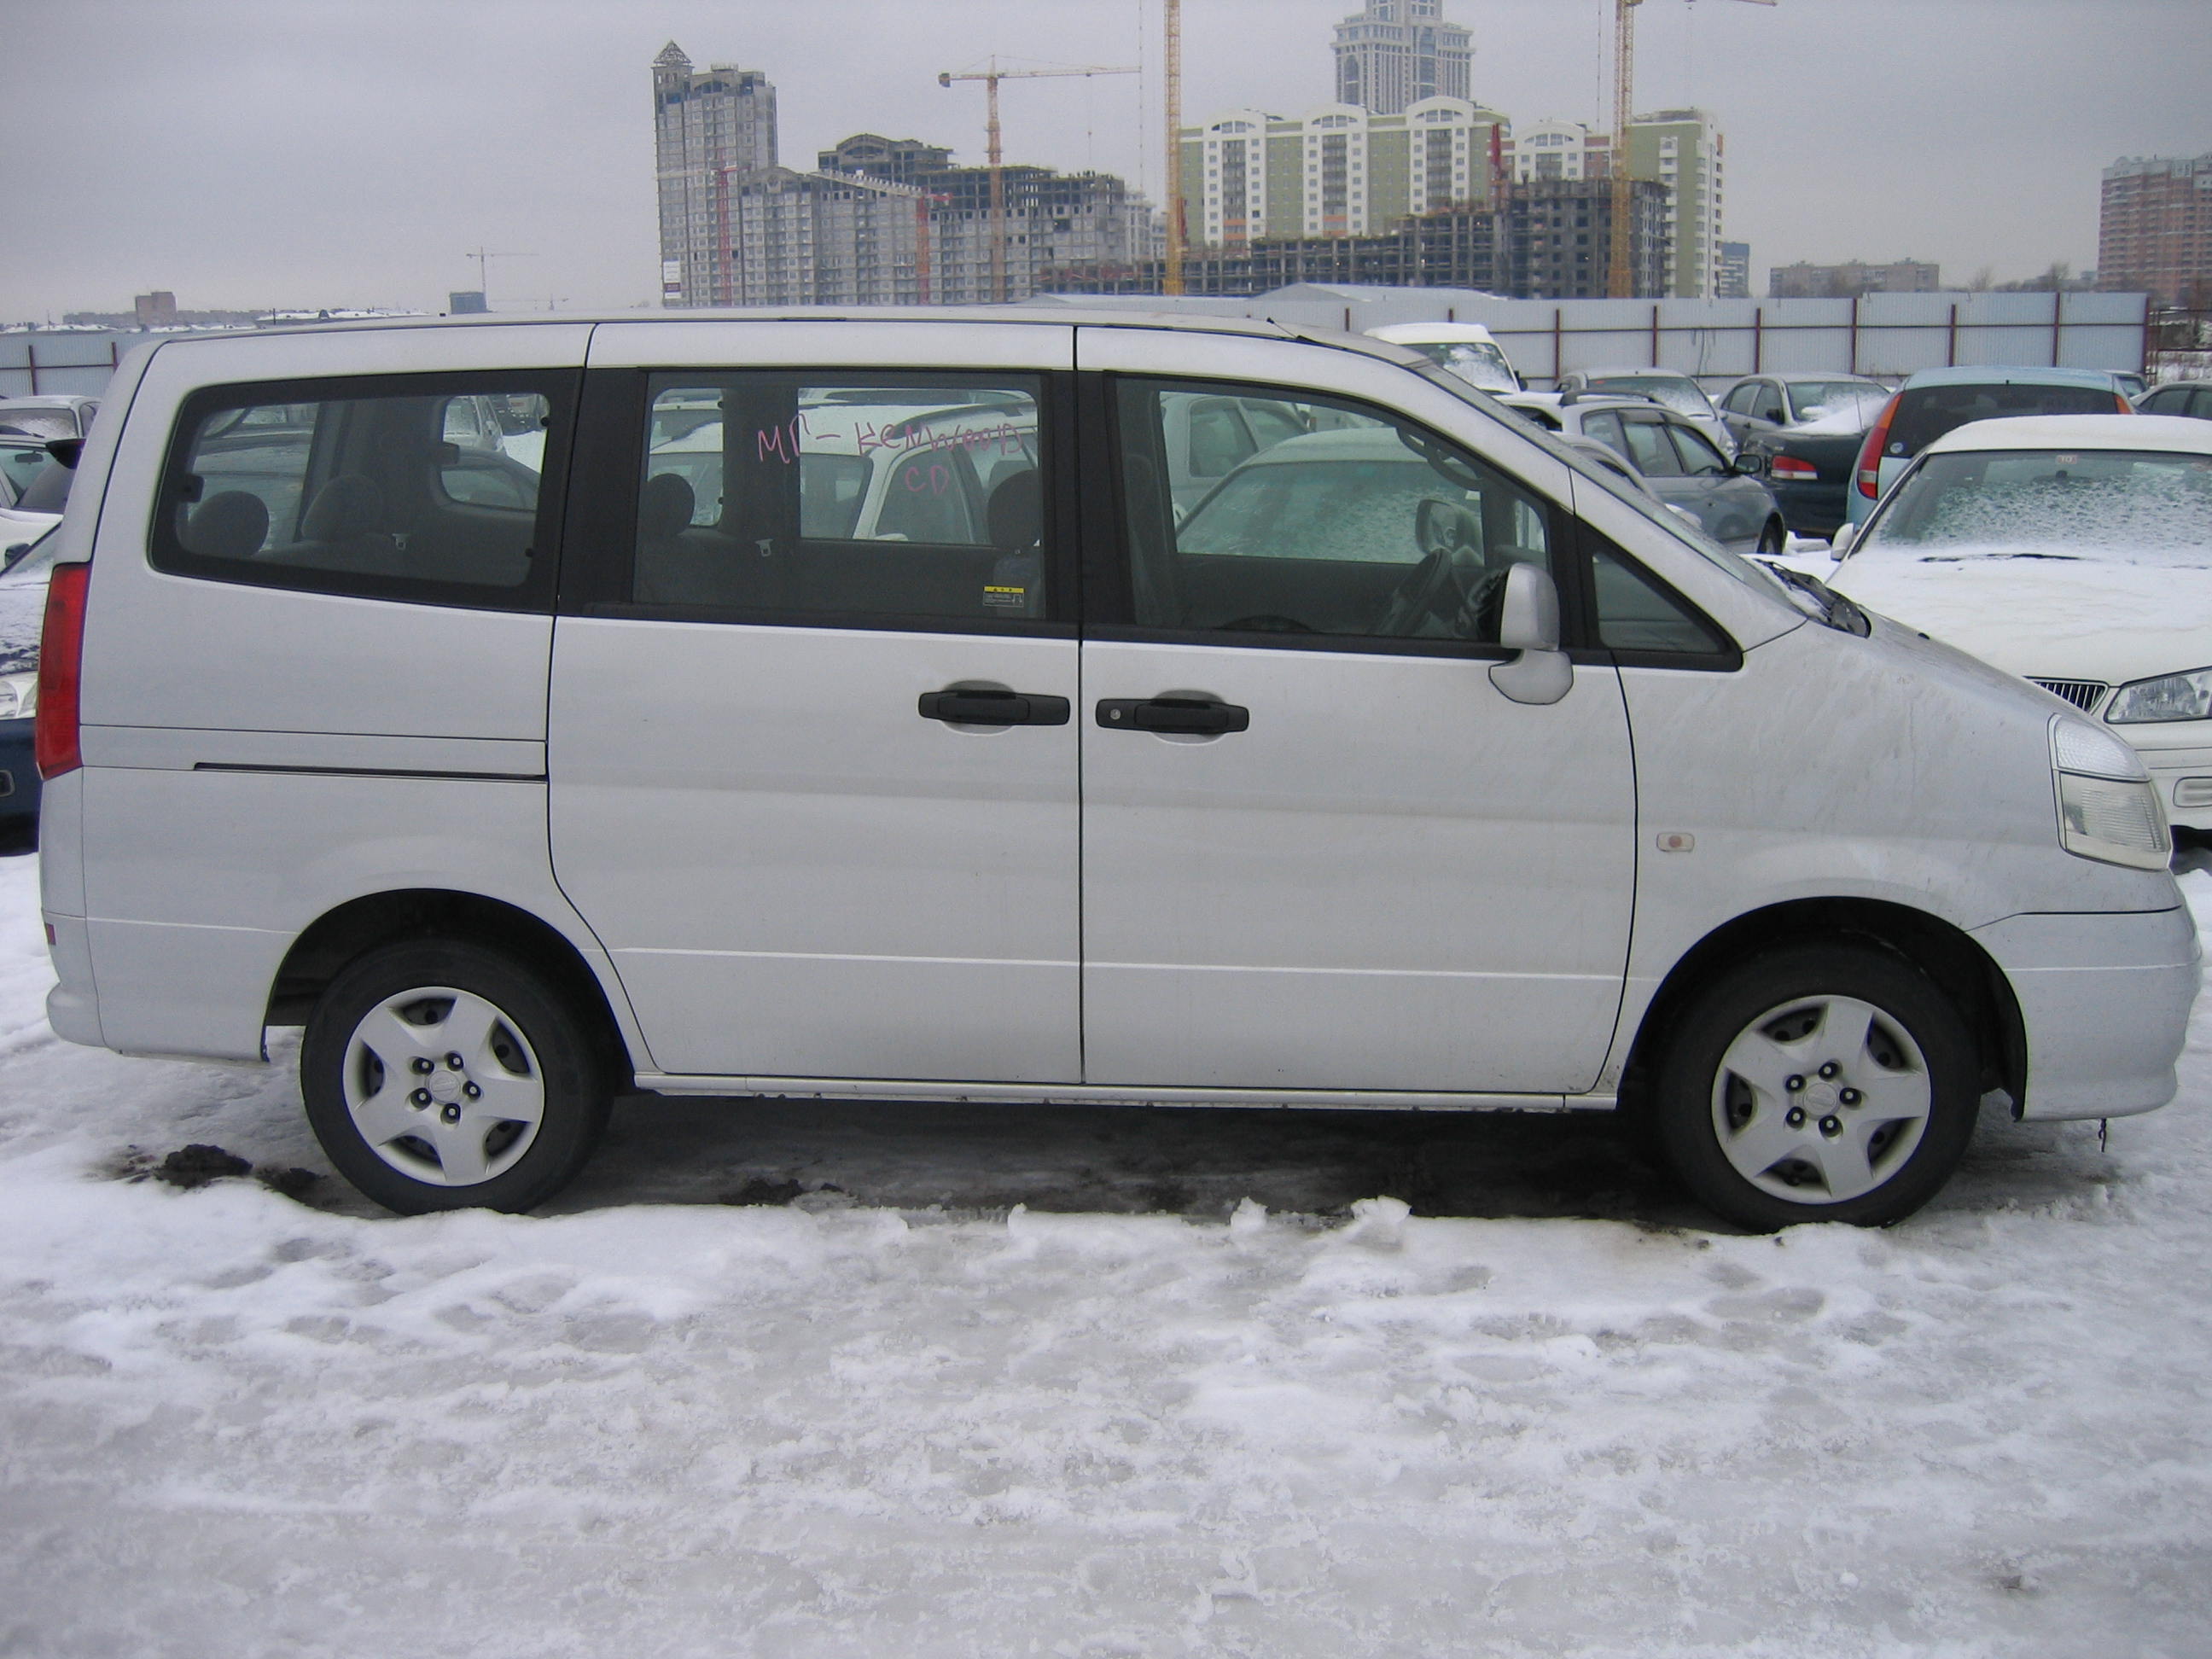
(2105, 998)
(2183, 776)
(19, 771)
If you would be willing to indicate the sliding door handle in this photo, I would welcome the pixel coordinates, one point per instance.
(993, 708)
(1171, 714)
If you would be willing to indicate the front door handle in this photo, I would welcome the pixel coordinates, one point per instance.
(1171, 714)
(993, 708)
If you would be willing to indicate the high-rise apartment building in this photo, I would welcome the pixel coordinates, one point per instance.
(1680, 149)
(1340, 171)
(1397, 52)
(1733, 280)
(2154, 228)
(710, 127)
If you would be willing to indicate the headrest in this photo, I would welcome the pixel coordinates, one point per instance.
(349, 505)
(1016, 514)
(232, 524)
(664, 506)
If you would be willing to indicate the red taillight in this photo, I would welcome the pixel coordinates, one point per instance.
(1788, 466)
(61, 657)
(1869, 467)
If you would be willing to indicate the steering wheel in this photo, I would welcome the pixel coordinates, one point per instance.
(1447, 593)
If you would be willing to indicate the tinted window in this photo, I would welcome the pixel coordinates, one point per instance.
(2173, 400)
(777, 493)
(1926, 413)
(1364, 525)
(360, 487)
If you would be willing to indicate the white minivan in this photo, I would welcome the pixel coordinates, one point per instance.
(1421, 766)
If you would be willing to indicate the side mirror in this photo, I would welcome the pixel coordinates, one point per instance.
(1750, 464)
(1840, 543)
(1529, 625)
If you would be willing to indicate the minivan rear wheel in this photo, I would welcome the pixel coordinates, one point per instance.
(1820, 1083)
(440, 1075)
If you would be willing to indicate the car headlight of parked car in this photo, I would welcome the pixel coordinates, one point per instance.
(19, 697)
(2183, 697)
(2107, 807)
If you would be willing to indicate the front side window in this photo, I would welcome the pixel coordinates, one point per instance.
(361, 487)
(870, 500)
(1699, 458)
(1358, 525)
(1654, 457)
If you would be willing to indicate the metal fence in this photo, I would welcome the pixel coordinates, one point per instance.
(1879, 334)
(37, 363)
(1717, 340)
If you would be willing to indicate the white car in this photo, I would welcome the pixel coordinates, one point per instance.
(2075, 551)
(939, 756)
(1467, 349)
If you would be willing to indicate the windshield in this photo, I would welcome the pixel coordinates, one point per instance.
(1816, 399)
(1744, 570)
(1672, 390)
(1479, 361)
(2138, 507)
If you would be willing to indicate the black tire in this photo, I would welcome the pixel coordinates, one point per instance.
(468, 1144)
(1774, 540)
(1718, 1116)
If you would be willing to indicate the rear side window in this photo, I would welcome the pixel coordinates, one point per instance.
(425, 488)
(865, 501)
(1926, 413)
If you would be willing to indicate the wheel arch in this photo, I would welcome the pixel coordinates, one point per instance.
(1960, 967)
(363, 924)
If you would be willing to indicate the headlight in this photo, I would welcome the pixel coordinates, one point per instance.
(19, 697)
(2183, 696)
(2107, 807)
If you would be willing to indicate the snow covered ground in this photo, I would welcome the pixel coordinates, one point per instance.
(1546, 1413)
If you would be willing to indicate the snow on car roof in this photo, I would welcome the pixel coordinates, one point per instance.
(2175, 432)
(1998, 375)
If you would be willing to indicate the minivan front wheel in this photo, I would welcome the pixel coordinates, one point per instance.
(1822, 1083)
(440, 1075)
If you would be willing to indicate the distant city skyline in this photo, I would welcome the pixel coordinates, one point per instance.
(263, 152)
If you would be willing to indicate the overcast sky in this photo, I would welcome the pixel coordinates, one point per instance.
(249, 153)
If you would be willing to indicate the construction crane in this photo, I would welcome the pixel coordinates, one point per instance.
(1171, 72)
(1619, 284)
(484, 256)
(990, 78)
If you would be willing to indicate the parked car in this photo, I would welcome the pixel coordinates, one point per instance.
(59, 414)
(1677, 392)
(1323, 795)
(34, 485)
(1467, 349)
(1936, 401)
(22, 609)
(1808, 429)
(2132, 385)
(1674, 460)
(2190, 397)
(2074, 552)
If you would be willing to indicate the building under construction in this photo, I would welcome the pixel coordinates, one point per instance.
(1546, 241)
(879, 221)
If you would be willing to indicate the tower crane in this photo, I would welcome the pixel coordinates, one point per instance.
(990, 78)
(1618, 281)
